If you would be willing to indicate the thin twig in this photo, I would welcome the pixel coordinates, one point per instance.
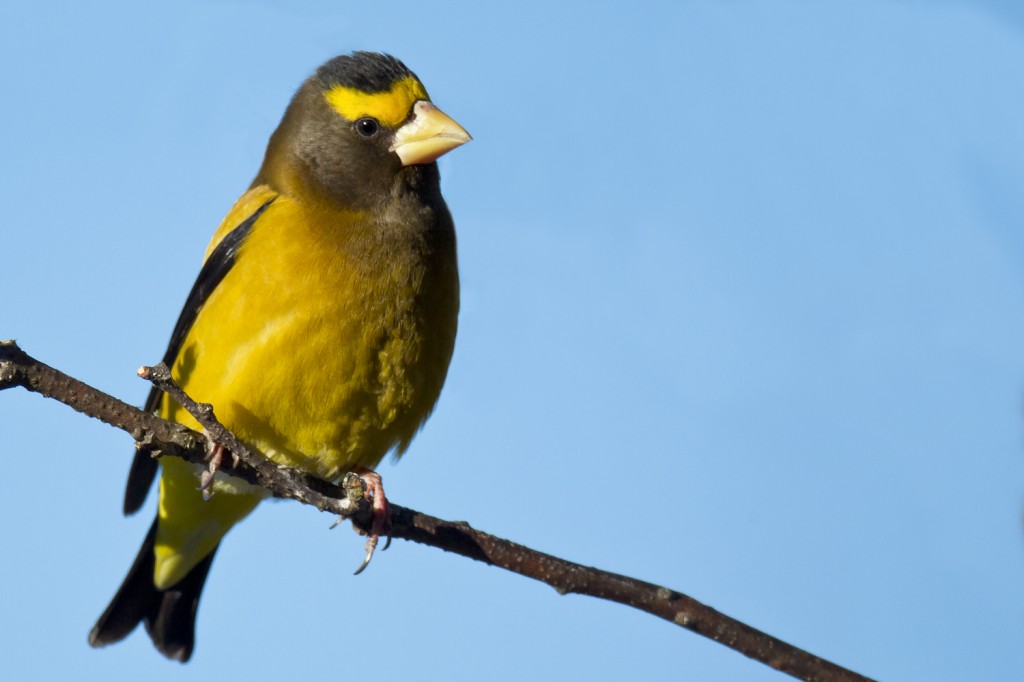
(167, 438)
(17, 368)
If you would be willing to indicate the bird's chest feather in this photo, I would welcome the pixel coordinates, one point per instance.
(328, 342)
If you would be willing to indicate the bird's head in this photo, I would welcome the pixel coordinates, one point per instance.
(358, 123)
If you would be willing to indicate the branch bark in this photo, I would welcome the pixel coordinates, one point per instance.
(169, 439)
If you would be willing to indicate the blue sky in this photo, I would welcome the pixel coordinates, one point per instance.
(761, 264)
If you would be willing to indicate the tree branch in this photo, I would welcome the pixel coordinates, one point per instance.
(169, 439)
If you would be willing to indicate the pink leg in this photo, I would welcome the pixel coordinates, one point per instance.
(381, 514)
(216, 457)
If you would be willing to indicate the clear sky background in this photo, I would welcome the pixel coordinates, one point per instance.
(760, 264)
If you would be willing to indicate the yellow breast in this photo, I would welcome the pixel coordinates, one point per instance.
(328, 341)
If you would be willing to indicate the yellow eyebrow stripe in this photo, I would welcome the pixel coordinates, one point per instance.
(390, 108)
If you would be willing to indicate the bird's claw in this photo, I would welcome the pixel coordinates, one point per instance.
(216, 458)
(371, 545)
(381, 524)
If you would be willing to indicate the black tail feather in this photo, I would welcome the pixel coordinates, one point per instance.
(169, 615)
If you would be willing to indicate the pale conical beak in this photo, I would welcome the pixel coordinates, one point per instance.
(428, 135)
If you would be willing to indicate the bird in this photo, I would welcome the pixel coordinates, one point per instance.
(320, 327)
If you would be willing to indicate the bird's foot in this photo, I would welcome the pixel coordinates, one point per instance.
(381, 524)
(216, 458)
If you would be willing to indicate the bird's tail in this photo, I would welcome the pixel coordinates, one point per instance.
(169, 615)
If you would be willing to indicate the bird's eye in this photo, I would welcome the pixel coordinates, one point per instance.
(367, 127)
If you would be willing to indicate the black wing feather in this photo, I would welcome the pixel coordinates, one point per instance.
(144, 465)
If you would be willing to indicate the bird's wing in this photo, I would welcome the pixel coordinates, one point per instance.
(221, 255)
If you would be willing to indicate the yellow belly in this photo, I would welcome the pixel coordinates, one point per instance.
(324, 347)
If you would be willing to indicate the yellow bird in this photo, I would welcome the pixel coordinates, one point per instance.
(320, 327)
